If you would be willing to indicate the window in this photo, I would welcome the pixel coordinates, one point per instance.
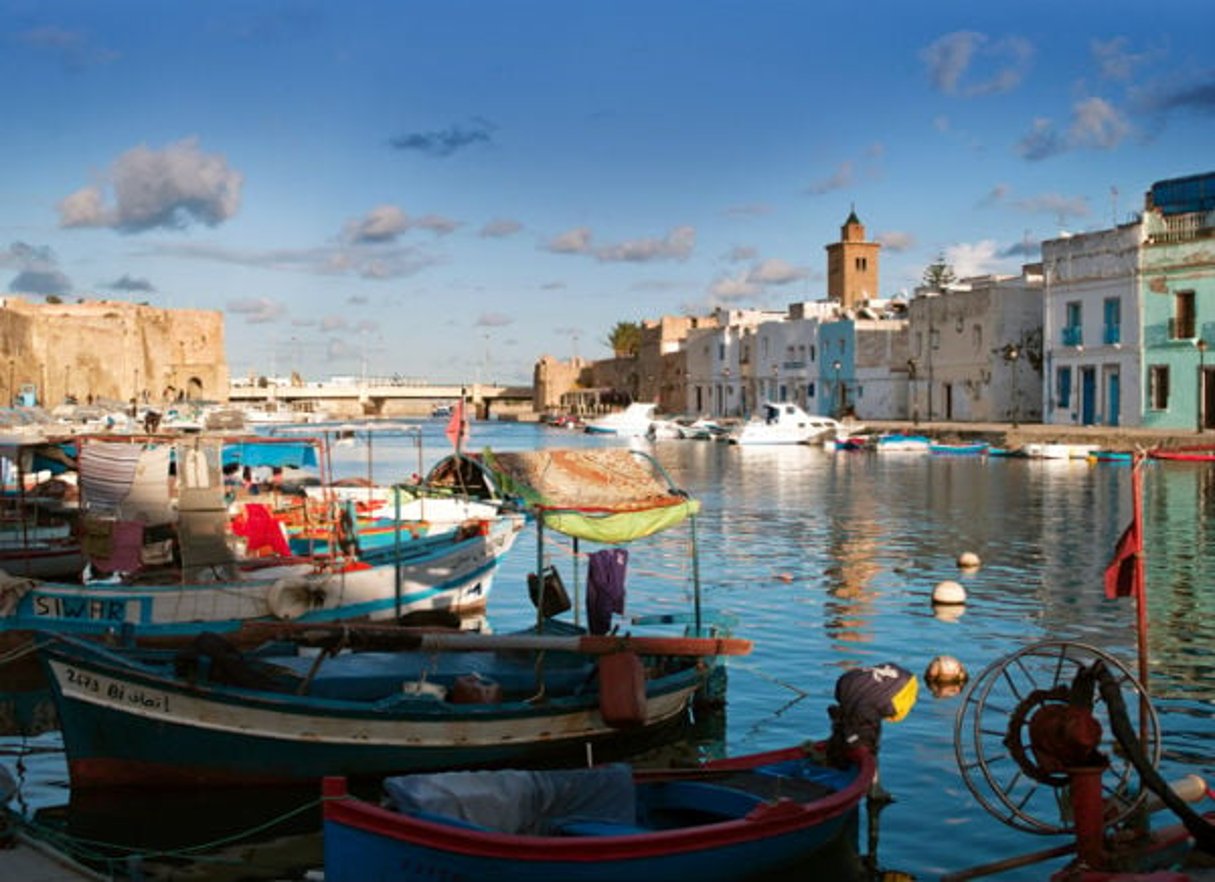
(1182, 325)
(810, 390)
(1113, 321)
(1158, 387)
(862, 264)
(1072, 334)
(1063, 386)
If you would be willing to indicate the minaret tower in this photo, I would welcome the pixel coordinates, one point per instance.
(852, 265)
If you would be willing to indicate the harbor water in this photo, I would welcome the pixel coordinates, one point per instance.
(826, 561)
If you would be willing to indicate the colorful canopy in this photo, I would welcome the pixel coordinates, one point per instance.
(608, 495)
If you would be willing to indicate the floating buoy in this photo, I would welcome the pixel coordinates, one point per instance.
(785, 577)
(948, 593)
(945, 676)
(945, 669)
(968, 560)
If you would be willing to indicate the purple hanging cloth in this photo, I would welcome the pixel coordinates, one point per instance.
(605, 588)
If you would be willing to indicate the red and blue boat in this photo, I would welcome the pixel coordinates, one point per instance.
(751, 815)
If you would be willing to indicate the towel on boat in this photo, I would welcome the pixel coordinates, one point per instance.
(107, 471)
(148, 497)
(605, 588)
(517, 801)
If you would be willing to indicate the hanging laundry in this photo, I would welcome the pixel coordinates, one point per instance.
(126, 543)
(605, 588)
(107, 471)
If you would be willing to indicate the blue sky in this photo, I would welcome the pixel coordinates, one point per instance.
(450, 190)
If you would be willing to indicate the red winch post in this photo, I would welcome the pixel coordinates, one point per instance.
(1088, 809)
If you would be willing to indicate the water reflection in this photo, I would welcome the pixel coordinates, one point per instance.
(828, 561)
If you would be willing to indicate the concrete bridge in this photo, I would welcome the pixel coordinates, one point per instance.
(386, 397)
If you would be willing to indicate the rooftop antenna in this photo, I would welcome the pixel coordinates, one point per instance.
(1114, 204)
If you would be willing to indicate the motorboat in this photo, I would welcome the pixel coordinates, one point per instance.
(784, 423)
(633, 421)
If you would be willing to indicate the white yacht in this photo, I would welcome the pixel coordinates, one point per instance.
(633, 421)
(784, 423)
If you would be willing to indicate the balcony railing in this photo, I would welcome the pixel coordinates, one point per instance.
(1073, 335)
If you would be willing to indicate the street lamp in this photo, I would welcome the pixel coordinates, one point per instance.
(1199, 410)
(1012, 354)
(840, 408)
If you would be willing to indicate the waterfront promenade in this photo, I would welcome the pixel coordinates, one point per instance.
(1008, 436)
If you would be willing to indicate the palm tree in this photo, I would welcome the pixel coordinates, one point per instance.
(625, 339)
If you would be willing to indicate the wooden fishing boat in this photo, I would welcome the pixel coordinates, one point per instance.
(749, 816)
(37, 518)
(976, 448)
(437, 700)
(899, 443)
(169, 560)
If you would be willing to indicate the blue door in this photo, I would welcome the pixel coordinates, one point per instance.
(1114, 398)
(1088, 396)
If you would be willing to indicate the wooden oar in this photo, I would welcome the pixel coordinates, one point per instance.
(388, 637)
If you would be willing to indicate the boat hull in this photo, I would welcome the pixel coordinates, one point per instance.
(125, 725)
(455, 575)
(366, 842)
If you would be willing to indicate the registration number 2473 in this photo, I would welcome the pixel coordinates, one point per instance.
(112, 690)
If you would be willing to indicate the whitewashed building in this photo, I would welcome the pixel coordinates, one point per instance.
(975, 351)
(1092, 327)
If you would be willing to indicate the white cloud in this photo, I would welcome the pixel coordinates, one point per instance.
(437, 224)
(168, 189)
(975, 258)
(776, 272)
(500, 228)
(492, 320)
(969, 63)
(1062, 207)
(38, 270)
(675, 245)
(257, 310)
(1095, 124)
(1116, 61)
(842, 177)
(575, 241)
(731, 288)
(363, 261)
(382, 224)
(897, 240)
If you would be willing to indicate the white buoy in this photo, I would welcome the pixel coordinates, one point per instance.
(968, 560)
(948, 593)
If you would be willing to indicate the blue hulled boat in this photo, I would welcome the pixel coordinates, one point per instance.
(752, 815)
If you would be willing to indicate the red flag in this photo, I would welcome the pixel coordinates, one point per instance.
(457, 426)
(1124, 576)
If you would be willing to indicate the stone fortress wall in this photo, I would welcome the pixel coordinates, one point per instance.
(111, 350)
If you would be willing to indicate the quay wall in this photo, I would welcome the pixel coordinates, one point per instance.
(1007, 435)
